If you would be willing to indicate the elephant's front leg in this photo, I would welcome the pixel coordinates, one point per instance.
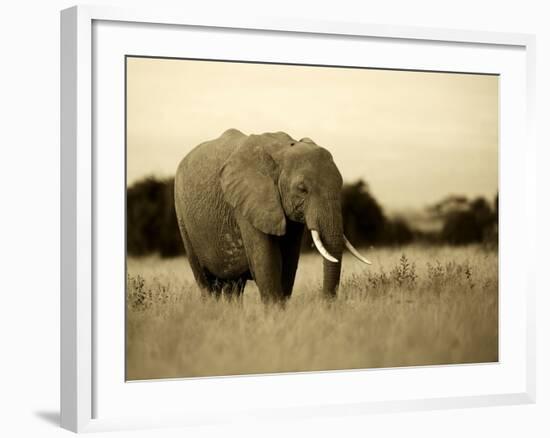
(264, 257)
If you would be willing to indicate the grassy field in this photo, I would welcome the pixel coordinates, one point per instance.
(413, 306)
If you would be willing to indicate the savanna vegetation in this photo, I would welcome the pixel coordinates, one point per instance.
(430, 297)
(416, 305)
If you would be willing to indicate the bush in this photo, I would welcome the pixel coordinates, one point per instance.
(151, 219)
(468, 221)
(397, 232)
(364, 219)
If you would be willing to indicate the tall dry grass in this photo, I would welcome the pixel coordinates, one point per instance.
(414, 306)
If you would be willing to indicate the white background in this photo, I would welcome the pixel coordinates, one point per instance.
(29, 227)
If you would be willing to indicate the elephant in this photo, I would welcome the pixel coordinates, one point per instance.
(242, 204)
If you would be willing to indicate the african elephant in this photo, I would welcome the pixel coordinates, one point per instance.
(242, 202)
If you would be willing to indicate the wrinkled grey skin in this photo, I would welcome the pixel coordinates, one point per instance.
(242, 204)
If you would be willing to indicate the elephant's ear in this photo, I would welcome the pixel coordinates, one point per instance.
(248, 184)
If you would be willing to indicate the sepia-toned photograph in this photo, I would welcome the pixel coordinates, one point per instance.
(287, 218)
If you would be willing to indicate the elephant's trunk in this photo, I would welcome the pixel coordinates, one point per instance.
(329, 226)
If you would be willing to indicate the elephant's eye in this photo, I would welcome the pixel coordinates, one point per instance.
(302, 188)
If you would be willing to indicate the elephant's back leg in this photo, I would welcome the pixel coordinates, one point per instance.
(230, 289)
(234, 289)
(198, 272)
(205, 280)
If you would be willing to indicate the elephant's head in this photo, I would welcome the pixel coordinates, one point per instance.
(272, 178)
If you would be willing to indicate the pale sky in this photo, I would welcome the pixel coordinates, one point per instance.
(415, 137)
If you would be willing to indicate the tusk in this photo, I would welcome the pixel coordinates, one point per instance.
(321, 248)
(355, 252)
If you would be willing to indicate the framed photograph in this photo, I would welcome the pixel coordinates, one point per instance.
(267, 218)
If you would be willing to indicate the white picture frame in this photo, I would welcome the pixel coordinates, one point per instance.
(80, 175)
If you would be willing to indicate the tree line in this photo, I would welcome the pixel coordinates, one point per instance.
(151, 223)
